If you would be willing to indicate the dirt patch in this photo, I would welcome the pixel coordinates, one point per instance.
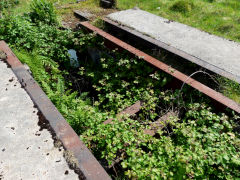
(70, 21)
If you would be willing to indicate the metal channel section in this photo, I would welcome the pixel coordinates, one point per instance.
(84, 16)
(154, 126)
(132, 110)
(173, 50)
(88, 165)
(216, 96)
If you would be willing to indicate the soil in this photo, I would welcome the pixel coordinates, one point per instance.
(70, 21)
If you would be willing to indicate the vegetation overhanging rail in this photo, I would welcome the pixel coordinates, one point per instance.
(214, 95)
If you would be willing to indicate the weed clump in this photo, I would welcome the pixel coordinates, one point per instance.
(44, 11)
(225, 28)
(4, 4)
(182, 6)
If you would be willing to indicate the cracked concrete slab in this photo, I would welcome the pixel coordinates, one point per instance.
(218, 53)
(26, 152)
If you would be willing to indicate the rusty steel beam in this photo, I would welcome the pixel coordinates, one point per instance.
(84, 16)
(216, 96)
(131, 110)
(86, 163)
(173, 50)
(160, 123)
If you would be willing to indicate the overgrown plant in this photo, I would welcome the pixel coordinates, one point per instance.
(49, 41)
(182, 6)
(5, 4)
(43, 11)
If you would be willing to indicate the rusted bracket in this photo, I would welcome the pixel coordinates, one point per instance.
(131, 110)
(154, 126)
(84, 16)
(214, 95)
(88, 165)
(160, 123)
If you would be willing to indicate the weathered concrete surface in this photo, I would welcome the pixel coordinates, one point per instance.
(218, 52)
(25, 152)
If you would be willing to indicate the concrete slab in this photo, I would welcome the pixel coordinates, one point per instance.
(212, 52)
(25, 151)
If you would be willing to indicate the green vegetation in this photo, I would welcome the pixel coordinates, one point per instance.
(120, 84)
(229, 88)
(197, 144)
(7, 4)
(64, 8)
(43, 11)
(182, 6)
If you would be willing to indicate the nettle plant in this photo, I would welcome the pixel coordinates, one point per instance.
(43, 11)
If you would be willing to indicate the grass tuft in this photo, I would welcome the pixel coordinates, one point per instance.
(225, 28)
(182, 6)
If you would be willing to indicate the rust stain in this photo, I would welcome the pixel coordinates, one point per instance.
(131, 110)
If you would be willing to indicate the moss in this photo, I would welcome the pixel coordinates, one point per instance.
(3, 55)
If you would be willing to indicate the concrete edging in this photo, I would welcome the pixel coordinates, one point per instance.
(88, 165)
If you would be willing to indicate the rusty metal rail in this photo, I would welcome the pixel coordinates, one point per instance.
(131, 110)
(214, 95)
(149, 40)
(154, 126)
(87, 164)
(160, 123)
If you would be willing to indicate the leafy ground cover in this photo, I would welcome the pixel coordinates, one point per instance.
(199, 143)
